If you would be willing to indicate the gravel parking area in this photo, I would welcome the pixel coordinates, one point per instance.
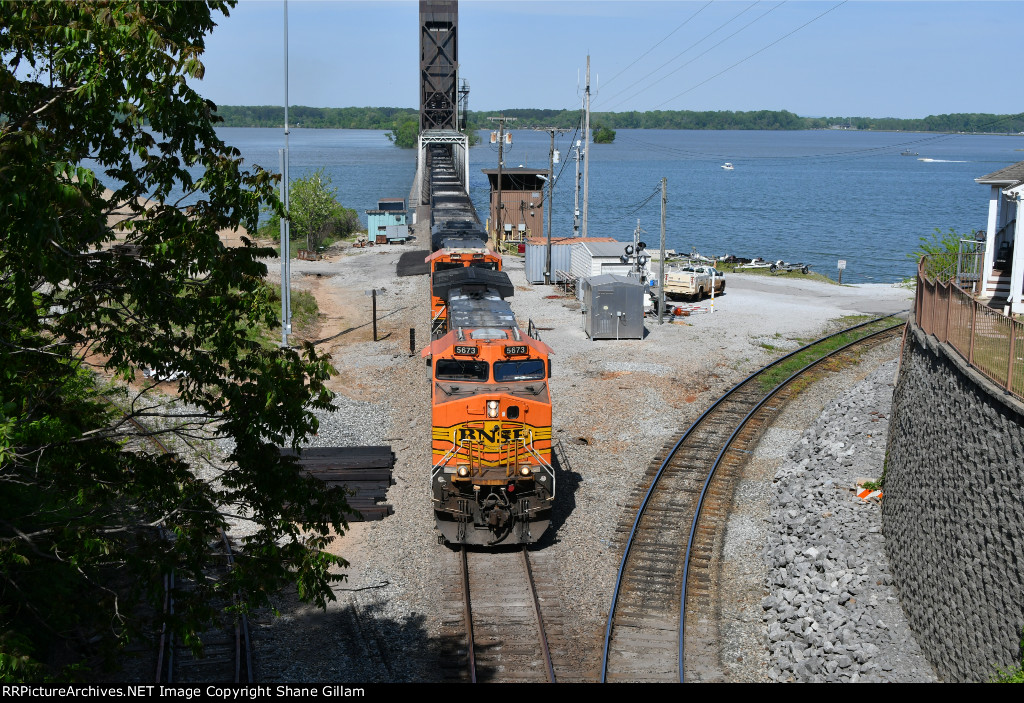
(616, 404)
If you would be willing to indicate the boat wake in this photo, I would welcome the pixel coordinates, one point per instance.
(943, 161)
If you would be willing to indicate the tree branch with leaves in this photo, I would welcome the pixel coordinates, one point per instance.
(99, 117)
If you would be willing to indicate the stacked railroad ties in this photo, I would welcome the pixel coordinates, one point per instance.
(492, 479)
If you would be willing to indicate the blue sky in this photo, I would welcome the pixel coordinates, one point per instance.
(879, 59)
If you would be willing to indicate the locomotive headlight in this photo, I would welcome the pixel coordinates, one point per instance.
(463, 471)
(492, 408)
(525, 470)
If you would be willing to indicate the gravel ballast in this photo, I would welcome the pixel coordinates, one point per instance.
(615, 406)
(831, 613)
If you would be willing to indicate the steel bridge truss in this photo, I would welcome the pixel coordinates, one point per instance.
(439, 64)
(458, 144)
(440, 96)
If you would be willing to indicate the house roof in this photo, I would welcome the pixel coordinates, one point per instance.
(556, 241)
(1004, 176)
(516, 171)
(605, 249)
(612, 278)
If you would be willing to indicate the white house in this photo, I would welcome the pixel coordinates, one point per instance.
(1003, 270)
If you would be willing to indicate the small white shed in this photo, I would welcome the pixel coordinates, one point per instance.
(597, 258)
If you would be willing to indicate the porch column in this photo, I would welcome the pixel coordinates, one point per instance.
(990, 238)
(1017, 276)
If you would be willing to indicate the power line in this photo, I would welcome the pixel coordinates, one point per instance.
(637, 207)
(655, 46)
(764, 48)
(695, 44)
(687, 49)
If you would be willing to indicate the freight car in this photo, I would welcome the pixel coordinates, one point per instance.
(470, 233)
(452, 212)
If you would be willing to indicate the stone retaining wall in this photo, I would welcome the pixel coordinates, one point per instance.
(953, 512)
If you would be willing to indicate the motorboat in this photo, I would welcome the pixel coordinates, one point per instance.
(908, 152)
(727, 166)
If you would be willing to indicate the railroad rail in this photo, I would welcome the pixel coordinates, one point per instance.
(227, 651)
(504, 637)
(662, 624)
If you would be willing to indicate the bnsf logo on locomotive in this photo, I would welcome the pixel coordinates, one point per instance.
(492, 434)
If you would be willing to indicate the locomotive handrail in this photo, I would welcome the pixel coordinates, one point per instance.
(550, 470)
(444, 460)
(526, 445)
(661, 470)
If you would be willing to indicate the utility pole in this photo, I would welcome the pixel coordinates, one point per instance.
(576, 207)
(501, 155)
(286, 264)
(586, 146)
(551, 193)
(661, 261)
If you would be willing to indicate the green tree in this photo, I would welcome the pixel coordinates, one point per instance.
(603, 135)
(406, 134)
(942, 250)
(316, 213)
(91, 517)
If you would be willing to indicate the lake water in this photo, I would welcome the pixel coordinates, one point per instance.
(813, 197)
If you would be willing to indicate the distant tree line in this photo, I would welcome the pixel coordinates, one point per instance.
(314, 117)
(401, 121)
(756, 120)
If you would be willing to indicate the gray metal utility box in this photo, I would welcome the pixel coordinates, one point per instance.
(613, 307)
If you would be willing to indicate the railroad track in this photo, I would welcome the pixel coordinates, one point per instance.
(675, 527)
(227, 650)
(500, 635)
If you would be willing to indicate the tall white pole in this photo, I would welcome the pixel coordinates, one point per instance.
(586, 147)
(576, 205)
(286, 264)
(661, 256)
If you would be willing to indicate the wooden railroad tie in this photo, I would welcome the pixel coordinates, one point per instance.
(366, 472)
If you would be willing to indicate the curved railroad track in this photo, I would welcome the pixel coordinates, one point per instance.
(227, 650)
(671, 552)
(502, 633)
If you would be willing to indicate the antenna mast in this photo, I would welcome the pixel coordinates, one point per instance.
(586, 146)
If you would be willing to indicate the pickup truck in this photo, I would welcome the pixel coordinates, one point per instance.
(693, 281)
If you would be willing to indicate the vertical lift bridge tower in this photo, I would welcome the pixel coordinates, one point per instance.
(439, 97)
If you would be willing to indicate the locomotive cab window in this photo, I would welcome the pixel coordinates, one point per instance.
(525, 370)
(461, 370)
(447, 265)
(489, 265)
